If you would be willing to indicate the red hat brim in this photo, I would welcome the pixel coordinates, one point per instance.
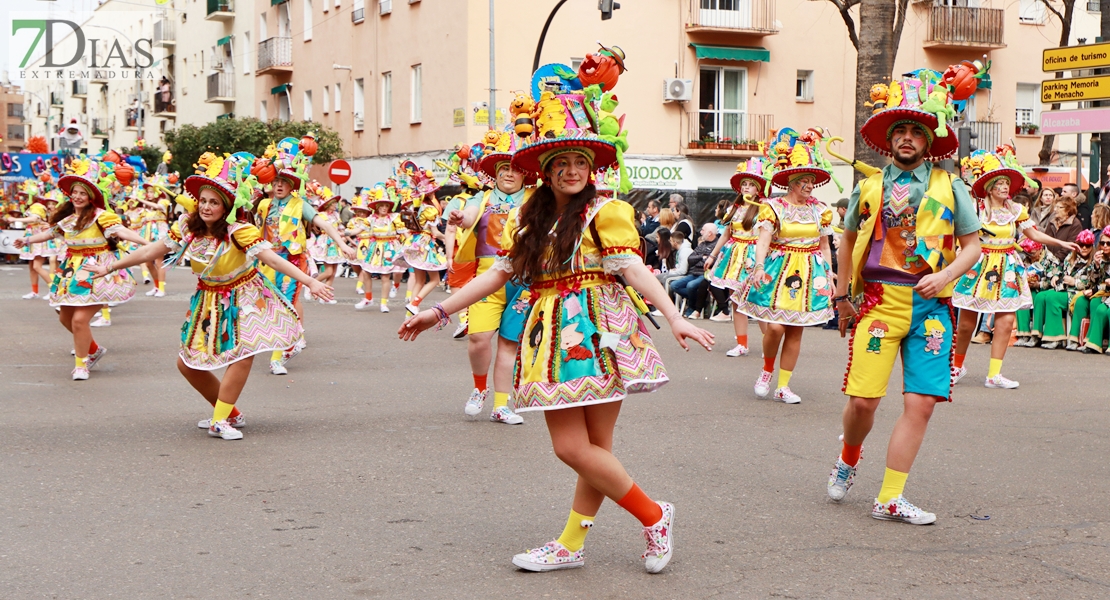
(291, 177)
(875, 129)
(489, 164)
(979, 187)
(739, 178)
(527, 159)
(65, 183)
(194, 183)
(782, 178)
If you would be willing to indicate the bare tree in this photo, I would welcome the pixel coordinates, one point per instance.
(876, 41)
(1064, 15)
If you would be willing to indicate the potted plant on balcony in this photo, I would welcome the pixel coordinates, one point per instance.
(1032, 128)
(725, 143)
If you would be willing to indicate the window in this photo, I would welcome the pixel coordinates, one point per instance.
(263, 114)
(284, 111)
(359, 104)
(358, 11)
(417, 91)
(338, 97)
(262, 26)
(285, 28)
(1094, 6)
(1028, 104)
(247, 54)
(575, 62)
(338, 3)
(385, 7)
(732, 14)
(326, 104)
(387, 100)
(803, 90)
(722, 104)
(308, 105)
(308, 20)
(1031, 12)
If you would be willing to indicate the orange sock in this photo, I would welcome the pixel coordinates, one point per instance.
(769, 364)
(35, 286)
(416, 300)
(850, 454)
(958, 361)
(641, 507)
(234, 413)
(369, 296)
(480, 382)
(93, 347)
(742, 340)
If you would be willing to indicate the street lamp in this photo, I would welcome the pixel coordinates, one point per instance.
(605, 6)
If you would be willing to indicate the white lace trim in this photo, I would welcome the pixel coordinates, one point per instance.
(768, 225)
(502, 263)
(171, 243)
(614, 265)
(257, 249)
(1026, 224)
(113, 230)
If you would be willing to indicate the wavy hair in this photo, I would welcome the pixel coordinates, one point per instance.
(533, 247)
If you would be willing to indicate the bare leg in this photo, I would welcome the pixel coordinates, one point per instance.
(479, 348)
(79, 325)
(204, 382)
(431, 283)
(582, 438)
(739, 322)
(791, 348)
(235, 377)
(965, 329)
(1003, 325)
(858, 418)
(909, 431)
(385, 287)
(503, 365)
(772, 335)
(36, 266)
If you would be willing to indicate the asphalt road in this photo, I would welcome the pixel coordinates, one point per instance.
(359, 475)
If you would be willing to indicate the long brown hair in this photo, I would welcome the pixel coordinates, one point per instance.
(751, 211)
(533, 247)
(667, 255)
(198, 227)
(67, 208)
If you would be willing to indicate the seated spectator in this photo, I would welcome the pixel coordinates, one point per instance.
(1058, 284)
(1041, 212)
(1100, 219)
(1065, 226)
(1096, 292)
(660, 255)
(1032, 254)
(687, 285)
(666, 220)
(682, 251)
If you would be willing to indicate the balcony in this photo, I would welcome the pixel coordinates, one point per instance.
(15, 113)
(220, 10)
(989, 134)
(726, 133)
(749, 17)
(79, 88)
(99, 128)
(57, 99)
(16, 132)
(221, 88)
(358, 15)
(275, 55)
(165, 103)
(164, 33)
(965, 28)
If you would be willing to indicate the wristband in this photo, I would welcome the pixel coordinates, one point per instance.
(838, 299)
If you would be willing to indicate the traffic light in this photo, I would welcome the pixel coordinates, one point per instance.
(966, 135)
(607, 7)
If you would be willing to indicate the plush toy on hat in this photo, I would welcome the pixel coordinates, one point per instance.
(984, 168)
(794, 155)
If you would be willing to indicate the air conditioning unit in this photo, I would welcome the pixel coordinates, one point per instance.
(677, 90)
(360, 123)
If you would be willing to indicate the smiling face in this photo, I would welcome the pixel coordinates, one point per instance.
(569, 173)
(79, 196)
(210, 207)
(908, 143)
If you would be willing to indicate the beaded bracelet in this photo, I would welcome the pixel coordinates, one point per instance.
(441, 314)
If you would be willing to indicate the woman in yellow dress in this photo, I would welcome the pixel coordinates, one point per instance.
(236, 312)
(379, 245)
(153, 226)
(41, 254)
(87, 228)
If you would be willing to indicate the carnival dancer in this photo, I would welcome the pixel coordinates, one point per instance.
(379, 244)
(996, 284)
(284, 217)
(467, 174)
(41, 254)
(322, 248)
(422, 253)
(730, 263)
(790, 286)
(1057, 290)
(899, 251)
(87, 228)
(480, 226)
(236, 312)
(585, 348)
(153, 226)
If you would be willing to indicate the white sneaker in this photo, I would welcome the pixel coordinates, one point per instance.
(362, 304)
(475, 403)
(392, 292)
(720, 318)
(225, 431)
(277, 367)
(739, 350)
(841, 479)
(92, 359)
(152, 291)
(146, 280)
(551, 557)
(660, 540)
(291, 353)
(694, 315)
(80, 374)
(461, 331)
(763, 384)
(159, 294)
(411, 309)
(384, 308)
(307, 294)
(29, 296)
(332, 301)
(783, 394)
(958, 374)
(358, 289)
(504, 415)
(900, 509)
(656, 313)
(238, 422)
(99, 321)
(1000, 382)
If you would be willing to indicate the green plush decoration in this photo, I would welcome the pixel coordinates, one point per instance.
(610, 129)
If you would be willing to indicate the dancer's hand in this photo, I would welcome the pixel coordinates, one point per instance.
(683, 330)
(321, 290)
(416, 324)
(347, 251)
(18, 242)
(455, 217)
(100, 271)
(847, 312)
(931, 285)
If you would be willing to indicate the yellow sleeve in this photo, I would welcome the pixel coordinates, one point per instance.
(429, 214)
(767, 218)
(177, 229)
(164, 203)
(826, 220)
(509, 230)
(108, 219)
(617, 230)
(246, 236)
(38, 210)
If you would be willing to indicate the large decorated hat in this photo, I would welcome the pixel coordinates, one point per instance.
(984, 168)
(359, 202)
(379, 194)
(500, 152)
(462, 167)
(792, 154)
(230, 177)
(291, 162)
(87, 172)
(751, 170)
(418, 179)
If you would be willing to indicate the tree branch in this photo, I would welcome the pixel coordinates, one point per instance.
(844, 6)
(1052, 10)
(899, 22)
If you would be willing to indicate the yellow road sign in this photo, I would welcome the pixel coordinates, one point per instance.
(1079, 89)
(1091, 56)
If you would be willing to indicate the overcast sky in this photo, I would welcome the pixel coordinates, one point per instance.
(59, 9)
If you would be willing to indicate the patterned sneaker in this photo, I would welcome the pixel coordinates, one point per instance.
(29, 296)
(1000, 382)
(80, 374)
(763, 384)
(474, 404)
(411, 309)
(551, 557)
(362, 304)
(384, 308)
(841, 479)
(783, 394)
(958, 374)
(461, 331)
(238, 422)
(291, 353)
(392, 292)
(99, 321)
(660, 540)
(223, 430)
(504, 415)
(277, 367)
(92, 359)
(160, 294)
(900, 509)
(739, 350)
(152, 291)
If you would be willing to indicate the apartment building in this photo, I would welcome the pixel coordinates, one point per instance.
(12, 130)
(211, 62)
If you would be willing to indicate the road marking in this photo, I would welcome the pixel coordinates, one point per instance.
(29, 383)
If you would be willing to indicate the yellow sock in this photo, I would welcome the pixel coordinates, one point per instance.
(385, 301)
(784, 377)
(276, 356)
(893, 484)
(358, 288)
(995, 367)
(574, 534)
(500, 399)
(146, 272)
(222, 411)
(408, 295)
(161, 286)
(80, 362)
(105, 314)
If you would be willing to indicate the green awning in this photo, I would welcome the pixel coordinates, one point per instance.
(276, 2)
(225, 116)
(223, 40)
(732, 53)
(279, 89)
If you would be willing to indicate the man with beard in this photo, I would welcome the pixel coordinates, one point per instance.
(899, 251)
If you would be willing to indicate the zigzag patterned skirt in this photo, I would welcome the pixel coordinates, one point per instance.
(584, 345)
(228, 323)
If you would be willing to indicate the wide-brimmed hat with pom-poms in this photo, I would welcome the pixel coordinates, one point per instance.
(501, 153)
(751, 170)
(87, 173)
(233, 182)
(985, 168)
(793, 155)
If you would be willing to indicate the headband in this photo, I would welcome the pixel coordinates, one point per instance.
(928, 132)
(549, 156)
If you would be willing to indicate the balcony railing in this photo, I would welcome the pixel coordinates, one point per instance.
(79, 87)
(221, 10)
(221, 88)
(963, 27)
(15, 112)
(726, 132)
(755, 17)
(989, 132)
(275, 54)
(15, 132)
(100, 128)
(165, 102)
(164, 33)
(358, 15)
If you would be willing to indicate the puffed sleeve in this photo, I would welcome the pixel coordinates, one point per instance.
(619, 239)
(1023, 221)
(826, 220)
(501, 261)
(767, 219)
(249, 239)
(177, 232)
(37, 210)
(109, 222)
